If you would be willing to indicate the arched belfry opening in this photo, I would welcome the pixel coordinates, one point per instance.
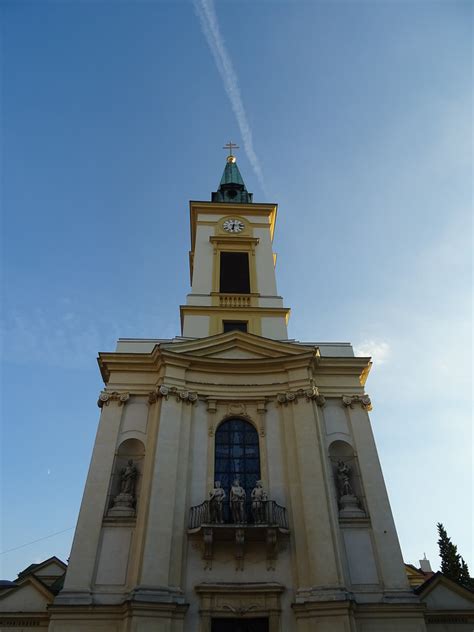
(237, 456)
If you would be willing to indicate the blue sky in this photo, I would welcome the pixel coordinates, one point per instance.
(354, 116)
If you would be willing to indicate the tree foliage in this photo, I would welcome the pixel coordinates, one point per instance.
(452, 564)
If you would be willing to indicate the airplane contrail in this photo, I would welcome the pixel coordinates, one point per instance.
(210, 27)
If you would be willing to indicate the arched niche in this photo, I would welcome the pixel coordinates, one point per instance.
(129, 450)
(342, 451)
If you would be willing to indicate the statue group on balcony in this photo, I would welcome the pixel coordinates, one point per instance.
(259, 498)
(216, 500)
(237, 498)
(237, 502)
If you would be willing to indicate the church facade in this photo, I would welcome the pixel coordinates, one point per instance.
(234, 483)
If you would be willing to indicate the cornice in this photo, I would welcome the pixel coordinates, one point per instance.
(324, 365)
(117, 361)
(275, 358)
(233, 239)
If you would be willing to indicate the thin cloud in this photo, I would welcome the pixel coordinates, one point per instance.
(210, 27)
(379, 351)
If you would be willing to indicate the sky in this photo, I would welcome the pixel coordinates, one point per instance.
(355, 117)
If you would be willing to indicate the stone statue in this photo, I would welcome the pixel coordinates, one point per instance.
(128, 476)
(259, 498)
(237, 502)
(343, 474)
(124, 503)
(349, 505)
(216, 500)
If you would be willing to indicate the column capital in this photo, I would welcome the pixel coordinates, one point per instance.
(364, 400)
(164, 391)
(309, 394)
(105, 397)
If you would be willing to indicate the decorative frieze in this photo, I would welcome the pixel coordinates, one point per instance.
(309, 394)
(363, 400)
(106, 397)
(190, 397)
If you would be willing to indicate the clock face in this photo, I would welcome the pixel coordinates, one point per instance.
(233, 226)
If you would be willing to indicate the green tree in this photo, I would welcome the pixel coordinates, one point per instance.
(452, 564)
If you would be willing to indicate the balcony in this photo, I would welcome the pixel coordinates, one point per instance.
(269, 532)
(234, 301)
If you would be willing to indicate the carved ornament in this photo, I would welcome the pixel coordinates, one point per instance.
(190, 397)
(237, 408)
(272, 549)
(239, 610)
(363, 400)
(106, 397)
(293, 396)
(211, 405)
(239, 549)
(207, 554)
(261, 410)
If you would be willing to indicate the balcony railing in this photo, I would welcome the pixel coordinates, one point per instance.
(266, 532)
(274, 515)
(234, 300)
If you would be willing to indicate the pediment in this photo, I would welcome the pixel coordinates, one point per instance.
(51, 566)
(442, 593)
(238, 345)
(29, 596)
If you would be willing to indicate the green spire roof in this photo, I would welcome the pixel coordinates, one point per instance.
(231, 175)
(232, 187)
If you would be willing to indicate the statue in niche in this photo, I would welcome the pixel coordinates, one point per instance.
(124, 502)
(343, 476)
(349, 505)
(259, 498)
(216, 500)
(128, 476)
(237, 502)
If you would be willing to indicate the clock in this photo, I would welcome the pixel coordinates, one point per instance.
(233, 226)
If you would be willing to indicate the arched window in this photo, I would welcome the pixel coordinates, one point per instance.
(237, 455)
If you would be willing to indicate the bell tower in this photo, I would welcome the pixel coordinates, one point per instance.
(232, 265)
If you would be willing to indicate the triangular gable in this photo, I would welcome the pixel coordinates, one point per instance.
(238, 344)
(31, 595)
(52, 566)
(441, 593)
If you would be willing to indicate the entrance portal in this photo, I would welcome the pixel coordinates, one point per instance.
(240, 625)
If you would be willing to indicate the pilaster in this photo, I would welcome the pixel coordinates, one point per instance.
(166, 504)
(383, 526)
(85, 546)
(320, 551)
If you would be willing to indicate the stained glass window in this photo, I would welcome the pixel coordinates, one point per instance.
(237, 455)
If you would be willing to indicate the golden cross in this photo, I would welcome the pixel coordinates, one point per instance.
(230, 146)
